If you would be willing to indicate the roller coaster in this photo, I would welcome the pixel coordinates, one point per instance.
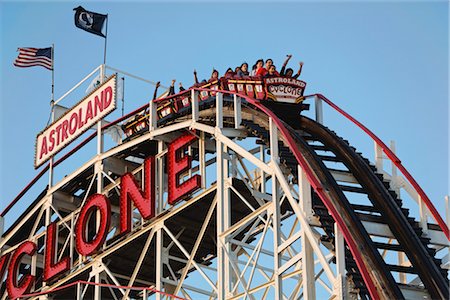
(228, 190)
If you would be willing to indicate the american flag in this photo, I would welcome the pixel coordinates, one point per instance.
(30, 57)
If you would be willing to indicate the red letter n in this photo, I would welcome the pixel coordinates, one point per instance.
(130, 191)
(179, 164)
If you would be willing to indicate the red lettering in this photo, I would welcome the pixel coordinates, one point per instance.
(65, 126)
(98, 104)
(43, 147)
(52, 140)
(3, 264)
(52, 268)
(179, 163)
(80, 118)
(94, 203)
(130, 191)
(17, 289)
(108, 97)
(73, 125)
(89, 111)
(58, 134)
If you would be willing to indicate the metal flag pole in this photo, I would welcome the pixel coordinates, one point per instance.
(53, 76)
(52, 113)
(123, 95)
(106, 38)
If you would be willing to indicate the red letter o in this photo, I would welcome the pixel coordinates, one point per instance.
(94, 202)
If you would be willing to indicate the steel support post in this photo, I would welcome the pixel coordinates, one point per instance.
(237, 112)
(340, 282)
(319, 109)
(97, 268)
(152, 122)
(79, 291)
(202, 159)
(159, 263)
(277, 276)
(309, 287)
(2, 227)
(219, 110)
(194, 105)
(378, 158)
(160, 179)
(222, 209)
(223, 222)
(262, 174)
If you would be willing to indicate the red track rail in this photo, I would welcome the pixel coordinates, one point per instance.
(391, 155)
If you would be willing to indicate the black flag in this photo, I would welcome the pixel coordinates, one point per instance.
(90, 21)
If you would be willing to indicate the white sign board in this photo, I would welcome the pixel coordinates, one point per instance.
(74, 122)
(284, 89)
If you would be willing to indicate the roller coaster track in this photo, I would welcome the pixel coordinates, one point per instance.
(323, 155)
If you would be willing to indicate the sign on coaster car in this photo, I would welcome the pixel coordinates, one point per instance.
(284, 89)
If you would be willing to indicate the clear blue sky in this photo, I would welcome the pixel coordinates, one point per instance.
(386, 63)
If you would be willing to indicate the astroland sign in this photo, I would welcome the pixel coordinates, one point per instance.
(76, 121)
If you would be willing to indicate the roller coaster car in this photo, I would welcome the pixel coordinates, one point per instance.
(286, 95)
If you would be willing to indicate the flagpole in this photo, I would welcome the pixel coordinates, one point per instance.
(53, 75)
(52, 112)
(106, 38)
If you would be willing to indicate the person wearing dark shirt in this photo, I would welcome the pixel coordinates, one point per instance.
(289, 71)
(272, 72)
(181, 87)
(243, 70)
(283, 68)
(214, 75)
(299, 70)
(229, 73)
(172, 88)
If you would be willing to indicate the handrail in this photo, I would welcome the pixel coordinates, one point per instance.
(391, 155)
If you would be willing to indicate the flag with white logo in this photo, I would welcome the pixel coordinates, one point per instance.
(90, 21)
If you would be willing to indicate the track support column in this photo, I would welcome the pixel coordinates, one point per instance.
(319, 109)
(309, 287)
(223, 207)
(274, 157)
(159, 263)
(340, 287)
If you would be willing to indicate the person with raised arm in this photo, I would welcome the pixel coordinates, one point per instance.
(283, 71)
(195, 77)
(158, 84)
(299, 70)
(172, 88)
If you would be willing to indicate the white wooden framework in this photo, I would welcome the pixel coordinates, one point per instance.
(273, 251)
